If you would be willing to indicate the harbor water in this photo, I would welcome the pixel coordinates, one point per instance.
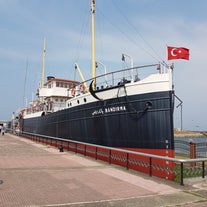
(182, 146)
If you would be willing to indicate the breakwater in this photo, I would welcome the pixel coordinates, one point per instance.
(190, 134)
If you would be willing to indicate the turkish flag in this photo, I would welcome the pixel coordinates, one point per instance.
(177, 53)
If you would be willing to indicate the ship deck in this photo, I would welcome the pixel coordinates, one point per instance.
(33, 174)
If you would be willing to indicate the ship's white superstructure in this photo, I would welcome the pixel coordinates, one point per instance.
(51, 98)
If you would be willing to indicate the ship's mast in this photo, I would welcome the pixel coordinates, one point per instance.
(43, 63)
(93, 42)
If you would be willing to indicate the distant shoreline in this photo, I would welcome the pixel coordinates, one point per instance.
(187, 134)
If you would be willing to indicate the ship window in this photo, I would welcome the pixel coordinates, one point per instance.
(78, 101)
(57, 84)
(70, 104)
(56, 100)
(85, 100)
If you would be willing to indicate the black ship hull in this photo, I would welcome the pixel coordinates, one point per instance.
(141, 122)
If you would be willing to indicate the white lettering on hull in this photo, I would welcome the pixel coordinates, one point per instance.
(109, 110)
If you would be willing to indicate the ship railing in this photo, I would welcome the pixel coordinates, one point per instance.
(154, 165)
(123, 76)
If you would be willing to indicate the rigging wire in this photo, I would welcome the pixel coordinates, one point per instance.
(99, 38)
(83, 32)
(25, 84)
(127, 36)
(139, 34)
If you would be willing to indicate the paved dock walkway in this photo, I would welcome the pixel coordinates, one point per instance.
(32, 174)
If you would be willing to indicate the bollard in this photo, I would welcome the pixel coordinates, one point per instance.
(61, 148)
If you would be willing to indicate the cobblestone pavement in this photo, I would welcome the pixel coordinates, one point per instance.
(33, 174)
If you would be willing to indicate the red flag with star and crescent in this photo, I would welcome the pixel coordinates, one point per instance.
(177, 53)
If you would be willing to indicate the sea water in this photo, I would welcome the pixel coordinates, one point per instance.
(182, 145)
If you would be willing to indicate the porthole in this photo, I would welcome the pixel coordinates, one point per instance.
(78, 101)
(85, 100)
(148, 105)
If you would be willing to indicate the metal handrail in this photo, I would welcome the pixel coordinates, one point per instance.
(123, 70)
(150, 156)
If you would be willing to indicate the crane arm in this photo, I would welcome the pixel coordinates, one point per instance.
(81, 76)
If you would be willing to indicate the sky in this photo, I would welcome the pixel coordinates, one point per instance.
(139, 28)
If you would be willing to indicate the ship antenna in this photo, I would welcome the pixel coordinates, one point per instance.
(93, 42)
(43, 63)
